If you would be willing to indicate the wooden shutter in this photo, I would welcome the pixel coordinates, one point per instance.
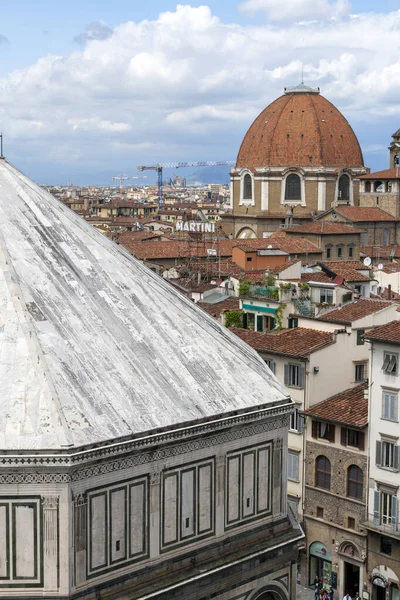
(378, 454)
(396, 458)
(299, 421)
(244, 317)
(343, 436)
(286, 376)
(260, 323)
(314, 429)
(331, 433)
(377, 507)
(301, 377)
(394, 513)
(361, 442)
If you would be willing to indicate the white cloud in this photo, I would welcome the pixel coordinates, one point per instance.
(298, 10)
(186, 86)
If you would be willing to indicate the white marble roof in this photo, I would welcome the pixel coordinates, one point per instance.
(95, 346)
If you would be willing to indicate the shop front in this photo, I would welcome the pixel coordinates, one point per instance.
(385, 583)
(320, 563)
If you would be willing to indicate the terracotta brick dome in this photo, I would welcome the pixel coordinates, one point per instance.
(300, 128)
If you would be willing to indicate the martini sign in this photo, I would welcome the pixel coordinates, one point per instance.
(195, 226)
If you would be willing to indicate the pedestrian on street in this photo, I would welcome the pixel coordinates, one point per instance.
(347, 596)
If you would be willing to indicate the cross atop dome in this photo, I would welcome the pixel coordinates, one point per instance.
(301, 88)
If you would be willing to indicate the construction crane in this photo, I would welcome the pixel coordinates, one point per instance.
(122, 177)
(177, 165)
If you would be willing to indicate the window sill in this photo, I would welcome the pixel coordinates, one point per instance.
(389, 420)
(295, 431)
(294, 387)
(389, 469)
(294, 480)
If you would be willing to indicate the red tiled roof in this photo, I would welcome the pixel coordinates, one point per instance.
(317, 277)
(182, 249)
(324, 228)
(389, 333)
(392, 173)
(343, 264)
(349, 407)
(300, 129)
(362, 214)
(216, 309)
(353, 311)
(297, 343)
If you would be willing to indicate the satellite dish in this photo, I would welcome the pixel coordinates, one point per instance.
(380, 267)
(367, 261)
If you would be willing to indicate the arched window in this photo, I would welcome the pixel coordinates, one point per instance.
(367, 186)
(344, 188)
(355, 481)
(323, 473)
(247, 187)
(293, 187)
(378, 186)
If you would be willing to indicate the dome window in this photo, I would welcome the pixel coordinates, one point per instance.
(344, 188)
(293, 187)
(247, 187)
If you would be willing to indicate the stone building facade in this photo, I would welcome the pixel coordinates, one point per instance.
(301, 153)
(336, 492)
(143, 446)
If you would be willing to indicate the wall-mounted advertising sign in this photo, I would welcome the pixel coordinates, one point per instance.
(195, 226)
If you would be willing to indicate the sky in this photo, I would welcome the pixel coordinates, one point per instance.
(92, 88)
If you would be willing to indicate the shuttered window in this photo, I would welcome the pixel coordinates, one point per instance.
(389, 406)
(294, 375)
(390, 362)
(387, 455)
(352, 437)
(270, 363)
(385, 509)
(296, 422)
(293, 466)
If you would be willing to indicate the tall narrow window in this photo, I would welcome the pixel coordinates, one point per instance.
(323, 473)
(247, 187)
(355, 480)
(344, 188)
(293, 187)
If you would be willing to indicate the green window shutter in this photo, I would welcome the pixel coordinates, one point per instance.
(396, 458)
(377, 507)
(361, 440)
(286, 376)
(394, 513)
(260, 323)
(343, 436)
(378, 454)
(301, 377)
(314, 429)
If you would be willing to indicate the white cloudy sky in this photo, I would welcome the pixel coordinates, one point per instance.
(94, 96)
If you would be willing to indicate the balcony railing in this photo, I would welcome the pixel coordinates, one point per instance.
(389, 529)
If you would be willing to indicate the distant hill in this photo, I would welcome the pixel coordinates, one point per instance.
(209, 175)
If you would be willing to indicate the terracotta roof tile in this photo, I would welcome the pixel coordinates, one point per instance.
(324, 228)
(387, 333)
(216, 309)
(297, 343)
(349, 407)
(392, 173)
(362, 214)
(352, 264)
(353, 311)
(300, 129)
